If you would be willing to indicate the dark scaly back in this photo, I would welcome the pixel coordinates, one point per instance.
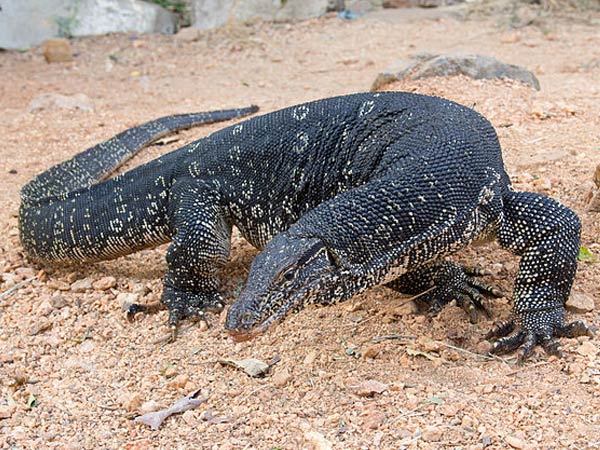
(99, 161)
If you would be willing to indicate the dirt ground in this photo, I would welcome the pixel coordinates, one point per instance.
(74, 372)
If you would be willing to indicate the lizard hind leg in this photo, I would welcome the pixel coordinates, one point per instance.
(200, 248)
(546, 236)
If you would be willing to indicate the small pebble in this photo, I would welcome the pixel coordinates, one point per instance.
(179, 381)
(579, 302)
(370, 352)
(132, 402)
(316, 441)
(281, 377)
(104, 283)
(58, 285)
(57, 50)
(81, 286)
(514, 441)
(150, 406)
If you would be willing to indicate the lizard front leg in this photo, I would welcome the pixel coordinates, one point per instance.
(201, 242)
(440, 282)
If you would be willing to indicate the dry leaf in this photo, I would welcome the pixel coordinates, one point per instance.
(413, 352)
(209, 417)
(155, 419)
(253, 367)
(369, 388)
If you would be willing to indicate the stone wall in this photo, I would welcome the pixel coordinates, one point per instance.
(26, 23)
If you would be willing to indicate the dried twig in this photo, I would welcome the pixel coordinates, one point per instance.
(377, 339)
(460, 349)
(15, 287)
(521, 369)
(169, 337)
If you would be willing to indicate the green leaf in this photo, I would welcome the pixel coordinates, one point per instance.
(585, 255)
(32, 401)
(435, 400)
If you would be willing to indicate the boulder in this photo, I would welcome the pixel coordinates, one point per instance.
(24, 24)
(425, 65)
(215, 13)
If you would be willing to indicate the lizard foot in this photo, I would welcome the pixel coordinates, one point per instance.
(457, 282)
(185, 305)
(532, 328)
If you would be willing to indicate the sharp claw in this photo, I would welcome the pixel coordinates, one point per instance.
(509, 343)
(551, 347)
(133, 309)
(486, 288)
(527, 347)
(574, 329)
(476, 271)
(501, 330)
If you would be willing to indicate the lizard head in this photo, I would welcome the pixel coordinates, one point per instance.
(291, 272)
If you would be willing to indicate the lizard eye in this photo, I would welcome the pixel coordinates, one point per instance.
(289, 275)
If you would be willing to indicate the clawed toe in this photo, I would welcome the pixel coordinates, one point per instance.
(525, 337)
(190, 306)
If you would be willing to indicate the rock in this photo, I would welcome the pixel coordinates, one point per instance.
(391, 4)
(6, 411)
(370, 352)
(114, 16)
(372, 417)
(476, 66)
(514, 441)
(579, 302)
(104, 283)
(25, 24)
(58, 301)
(179, 381)
(170, 372)
(82, 285)
(45, 308)
(131, 402)
(57, 50)
(316, 441)
(188, 34)
(432, 434)
(215, 13)
(126, 299)
(58, 285)
(281, 378)
(58, 101)
(309, 359)
(150, 406)
(587, 349)
(42, 324)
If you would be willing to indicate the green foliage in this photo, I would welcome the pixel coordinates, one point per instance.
(177, 6)
(67, 24)
(585, 255)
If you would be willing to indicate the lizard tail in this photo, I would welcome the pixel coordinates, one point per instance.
(97, 162)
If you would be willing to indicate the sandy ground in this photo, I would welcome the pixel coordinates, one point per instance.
(74, 372)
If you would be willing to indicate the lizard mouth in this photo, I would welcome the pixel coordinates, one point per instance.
(242, 334)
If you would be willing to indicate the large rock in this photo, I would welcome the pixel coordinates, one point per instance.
(26, 23)
(215, 13)
(426, 65)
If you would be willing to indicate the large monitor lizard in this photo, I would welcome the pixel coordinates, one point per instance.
(345, 193)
